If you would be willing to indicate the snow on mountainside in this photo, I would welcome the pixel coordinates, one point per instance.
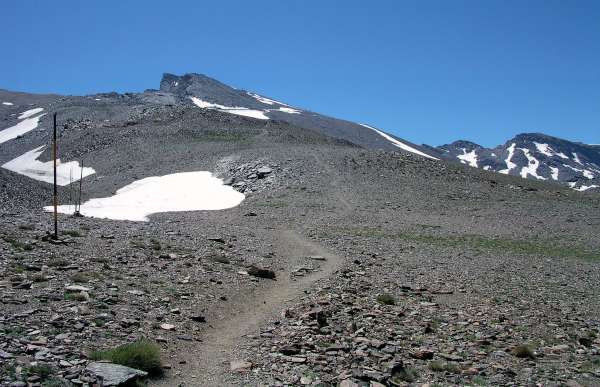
(208, 93)
(534, 156)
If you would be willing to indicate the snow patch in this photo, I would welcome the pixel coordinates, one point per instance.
(554, 173)
(469, 158)
(185, 191)
(266, 100)
(584, 172)
(586, 187)
(509, 164)
(576, 158)
(486, 168)
(29, 165)
(544, 149)
(400, 144)
(30, 112)
(289, 110)
(240, 111)
(26, 125)
(7, 103)
(531, 168)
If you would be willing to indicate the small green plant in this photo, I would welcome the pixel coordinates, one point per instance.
(386, 299)
(479, 381)
(406, 375)
(442, 366)
(155, 244)
(523, 351)
(219, 259)
(80, 297)
(56, 382)
(80, 277)
(73, 233)
(38, 277)
(41, 370)
(142, 355)
(18, 245)
(58, 262)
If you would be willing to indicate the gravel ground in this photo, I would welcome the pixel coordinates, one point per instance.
(390, 269)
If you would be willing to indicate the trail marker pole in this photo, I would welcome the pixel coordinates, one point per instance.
(55, 186)
(78, 208)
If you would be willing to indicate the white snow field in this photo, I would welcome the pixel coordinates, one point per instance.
(399, 144)
(554, 173)
(289, 110)
(532, 167)
(7, 103)
(469, 158)
(28, 165)
(240, 111)
(185, 191)
(27, 124)
(266, 100)
(30, 112)
(509, 164)
(586, 187)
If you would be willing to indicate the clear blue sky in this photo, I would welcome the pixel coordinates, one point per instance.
(429, 71)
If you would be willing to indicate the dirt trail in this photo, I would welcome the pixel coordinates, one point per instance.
(208, 363)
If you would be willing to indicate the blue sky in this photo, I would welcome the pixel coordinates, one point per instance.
(429, 71)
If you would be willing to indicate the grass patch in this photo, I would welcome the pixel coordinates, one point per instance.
(444, 366)
(272, 204)
(142, 355)
(72, 233)
(225, 136)
(531, 246)
(523, 351)
(406, 375)
(79, 297)
(18, 245)
(42, 370)
(58, 262)
(38, 277)
(80, 278)
(386, 299)
(220, 259)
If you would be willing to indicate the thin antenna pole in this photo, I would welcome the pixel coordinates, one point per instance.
(55, 186)
(80, 184)
(71, 187)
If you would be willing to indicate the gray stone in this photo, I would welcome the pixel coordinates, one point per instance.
(114, 374)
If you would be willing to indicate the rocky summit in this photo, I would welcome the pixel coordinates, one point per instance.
(212, 236)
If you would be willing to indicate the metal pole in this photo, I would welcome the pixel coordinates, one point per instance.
(80, 183)
(55, 186)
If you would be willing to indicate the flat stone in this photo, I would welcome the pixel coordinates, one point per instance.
(240, 366)
(114, 374)
(77, 288)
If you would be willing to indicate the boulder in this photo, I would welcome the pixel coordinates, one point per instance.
(114, 374)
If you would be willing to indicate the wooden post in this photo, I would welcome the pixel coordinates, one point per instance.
(55, 186)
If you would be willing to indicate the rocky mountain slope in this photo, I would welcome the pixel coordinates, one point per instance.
(342, 265)
(534, 156)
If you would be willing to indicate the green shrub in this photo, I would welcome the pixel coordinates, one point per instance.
(142, 355)
(75, 297)
(442, 366)
(80, 278)
(41, 370)
(386, 299)
(72, 233)
(523, 351)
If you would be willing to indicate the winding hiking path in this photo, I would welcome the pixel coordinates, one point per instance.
(208, 363)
